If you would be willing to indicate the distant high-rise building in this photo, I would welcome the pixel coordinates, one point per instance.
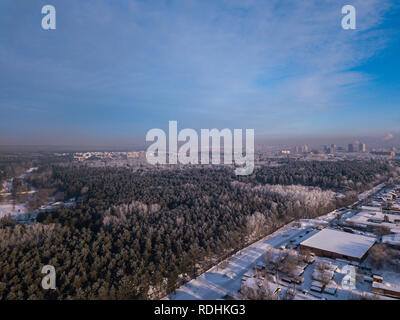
(297, 149)
(362, 147)
(328, 150)
(333, 148)
(304, 148)
(350, 148)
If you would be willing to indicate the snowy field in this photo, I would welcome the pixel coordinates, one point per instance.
(8, 208)
(6, 205)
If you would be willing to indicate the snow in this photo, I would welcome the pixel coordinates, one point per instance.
(392, 239)
(218, 282)
(376, 219)
(316, 289)
(251, 283)
(370, 208)
(317, 284)
(318, 276)
(331, 288)
(344, 243)
(9, 208)
(214, 283)
(369, 192)
(386, 286)
(19, 211)
(6, 205)
(392, 276)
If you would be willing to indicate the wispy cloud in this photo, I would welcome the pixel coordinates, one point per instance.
(216, 63)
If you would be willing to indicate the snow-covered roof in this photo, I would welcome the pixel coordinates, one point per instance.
(344, 243)
(393, 239)
(371, 208)
(376, 219)
(251, 283)
(387, 286)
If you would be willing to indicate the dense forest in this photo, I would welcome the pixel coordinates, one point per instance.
(13, 165)
(139, 234)
(9, 169)
(354, 175)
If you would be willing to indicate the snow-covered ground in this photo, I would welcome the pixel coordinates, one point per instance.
(6, 186)
(8, 208)
(218, 282)
(376, 219)
(366, 194)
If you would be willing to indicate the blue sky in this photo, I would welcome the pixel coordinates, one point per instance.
(112, 70)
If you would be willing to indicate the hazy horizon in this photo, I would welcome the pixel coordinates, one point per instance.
(138, 143)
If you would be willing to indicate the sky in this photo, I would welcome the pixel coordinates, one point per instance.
(112, 70)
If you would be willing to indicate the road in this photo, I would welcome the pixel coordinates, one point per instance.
(217, 282)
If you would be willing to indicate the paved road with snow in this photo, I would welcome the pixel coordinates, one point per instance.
(217, 282)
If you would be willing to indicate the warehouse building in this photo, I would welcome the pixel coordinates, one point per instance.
(386, 288)
(337, 244)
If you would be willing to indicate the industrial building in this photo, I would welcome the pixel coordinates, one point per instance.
(337, 244)
(386, 288)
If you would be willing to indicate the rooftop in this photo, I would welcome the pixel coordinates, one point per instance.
(376, 219)
(348, 244)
